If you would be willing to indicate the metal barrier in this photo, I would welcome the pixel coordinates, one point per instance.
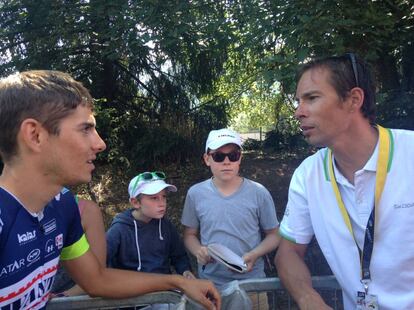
(86, 302)
(278, 297)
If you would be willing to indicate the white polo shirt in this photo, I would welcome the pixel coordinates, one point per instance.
(312, 209)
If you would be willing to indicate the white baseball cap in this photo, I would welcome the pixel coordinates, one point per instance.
(220, 137)
(149, 183)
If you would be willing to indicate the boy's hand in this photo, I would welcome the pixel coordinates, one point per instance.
(202, 256)
(188, 275)
(203, 292)
(250, 259)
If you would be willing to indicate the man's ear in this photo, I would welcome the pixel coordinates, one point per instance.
(32, 134)
(357, 98)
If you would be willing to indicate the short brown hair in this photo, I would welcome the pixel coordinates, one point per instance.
(47, 96)
(343, 78)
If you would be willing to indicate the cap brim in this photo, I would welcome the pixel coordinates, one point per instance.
(156, 187)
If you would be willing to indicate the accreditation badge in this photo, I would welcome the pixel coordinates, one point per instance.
(367, 301)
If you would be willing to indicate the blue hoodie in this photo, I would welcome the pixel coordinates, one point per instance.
(147, 247)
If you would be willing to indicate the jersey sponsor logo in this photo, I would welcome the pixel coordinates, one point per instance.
(49, 227)
(59, 241)
(12, 268)
(26, 237)
(33, 256)
(49, 247)
(32, 292)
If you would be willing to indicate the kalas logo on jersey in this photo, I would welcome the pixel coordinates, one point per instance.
(26, 237)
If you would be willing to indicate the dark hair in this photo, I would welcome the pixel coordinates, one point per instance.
(47, 96)
(346, 72)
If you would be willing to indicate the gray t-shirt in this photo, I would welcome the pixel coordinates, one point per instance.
(235, 221)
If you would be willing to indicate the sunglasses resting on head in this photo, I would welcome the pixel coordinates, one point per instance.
(148, 176)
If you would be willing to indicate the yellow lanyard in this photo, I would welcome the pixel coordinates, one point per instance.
(383, 166)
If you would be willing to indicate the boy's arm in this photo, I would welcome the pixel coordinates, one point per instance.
(268, 244)
(115, 283)
(193, 244)
(296, 277)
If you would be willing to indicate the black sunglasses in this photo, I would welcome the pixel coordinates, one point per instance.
(354, 67)
(219, 157)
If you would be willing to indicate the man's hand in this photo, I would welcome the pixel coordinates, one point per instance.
(203, 292)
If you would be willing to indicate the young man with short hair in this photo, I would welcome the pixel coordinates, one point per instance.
(230, 210)
(48, 140)
(355, 195)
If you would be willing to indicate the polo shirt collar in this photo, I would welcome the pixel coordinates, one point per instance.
(370, 165)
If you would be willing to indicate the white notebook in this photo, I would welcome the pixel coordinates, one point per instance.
(226, 257)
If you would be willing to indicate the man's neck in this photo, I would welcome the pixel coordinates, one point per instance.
(352, 153)
(32, 191)
(228, 187)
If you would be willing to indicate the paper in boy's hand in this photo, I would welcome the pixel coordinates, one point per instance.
(226, 257)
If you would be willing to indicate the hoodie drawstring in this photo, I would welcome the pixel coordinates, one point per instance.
(137, 245)
(159, 230)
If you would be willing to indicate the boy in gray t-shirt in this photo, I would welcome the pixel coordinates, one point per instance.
(230, 210)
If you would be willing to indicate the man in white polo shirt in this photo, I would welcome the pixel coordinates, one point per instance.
(356, 195)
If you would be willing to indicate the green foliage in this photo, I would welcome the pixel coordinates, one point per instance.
(151, 64)
(167, 72)
(252, 145)
(396, 109)
(273, 37)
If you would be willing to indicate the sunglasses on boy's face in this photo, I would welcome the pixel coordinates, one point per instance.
(219, 157)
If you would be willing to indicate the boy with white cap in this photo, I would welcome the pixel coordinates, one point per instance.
(230, 210)
(141, 238)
